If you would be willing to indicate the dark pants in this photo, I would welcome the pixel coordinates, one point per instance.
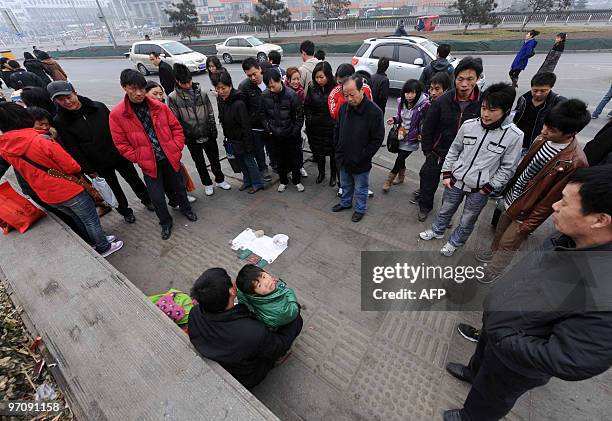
(285, 152)
(250, 172)
(259, 151)
(212, 152)
(429, 181)
(514, 76)
(299, 152)
(495, 387)
(165, 173)
(400, 161)
(320, 160)
(130, 175)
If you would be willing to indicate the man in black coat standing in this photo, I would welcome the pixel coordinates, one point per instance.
(167, 79)
(229, 334)
(379, 83)
(84, 130)
(358, 134)
(550, 315)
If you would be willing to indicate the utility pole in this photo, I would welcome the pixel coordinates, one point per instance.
(103, 19)
(311, 17)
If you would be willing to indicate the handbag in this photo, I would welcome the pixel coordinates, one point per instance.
(16, 211)
(393, 139)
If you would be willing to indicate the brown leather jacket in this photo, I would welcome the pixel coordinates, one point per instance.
(53, 68)
(534, 206)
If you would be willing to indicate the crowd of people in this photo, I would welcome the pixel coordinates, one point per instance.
(477, 144)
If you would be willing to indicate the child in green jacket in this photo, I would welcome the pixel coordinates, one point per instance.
(267, 297)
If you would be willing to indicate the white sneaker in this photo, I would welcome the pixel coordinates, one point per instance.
(281, 188)
(370, 193)
(340, 192)
(447, 250)
(115, 246)
(223, 185)
(110, 238)
(209, 190)
(430, 235)
(300, 187)
(190, 199)
(303, 172)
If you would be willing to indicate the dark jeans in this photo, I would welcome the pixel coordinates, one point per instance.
(250, 172)
(299, 152)
(285, 151)
(165, 173)
(400, 161)
(495, 387)
(259, 151)
(354, 185)
(429, 181)
(130, 175)
(212, 152)
(82, 209)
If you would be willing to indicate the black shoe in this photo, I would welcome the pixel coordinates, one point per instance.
(129, 218)
(320, 178)
(422, 216)
(174, 206)
(149, 206)
(468, 332)
(357, 216)
(166, 232)
(244, 187)
(414, 200)
(191, 216)
(459, 371)
(416, 194)
(453, 415)
(339, 208)
(332, 180)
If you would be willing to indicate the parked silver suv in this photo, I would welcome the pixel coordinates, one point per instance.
(408, 56)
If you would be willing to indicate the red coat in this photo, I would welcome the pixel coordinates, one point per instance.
(46, 152)
(336, 99)
(133, 143)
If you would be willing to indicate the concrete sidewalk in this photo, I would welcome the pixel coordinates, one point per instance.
(346, 364)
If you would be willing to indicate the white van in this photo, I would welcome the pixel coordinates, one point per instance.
(171, 51)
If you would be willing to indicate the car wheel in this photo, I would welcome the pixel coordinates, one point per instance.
(142, 69)
(365, 76)
(227, 58)
(262, 57)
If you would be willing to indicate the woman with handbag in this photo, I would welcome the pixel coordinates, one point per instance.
(50, 172)
(411, 108)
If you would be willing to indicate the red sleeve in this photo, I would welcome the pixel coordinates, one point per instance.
(63, 160)
(334, 103)
(368, 91)
(120, 139)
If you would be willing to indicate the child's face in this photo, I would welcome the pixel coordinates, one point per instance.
(265, 284)
(42, 124)
(435, 91)
(490, 115)
(410, 96)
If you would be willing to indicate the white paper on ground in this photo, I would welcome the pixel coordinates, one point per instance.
(262, 246)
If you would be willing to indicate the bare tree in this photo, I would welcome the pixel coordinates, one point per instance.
(328, 9)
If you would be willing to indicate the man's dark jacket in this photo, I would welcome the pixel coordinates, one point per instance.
(438, 65)
(33, 65)
(552, 99)
(379, 83)
(551, 314)
(282, 114)
(86, 135)
(234, 119)
(358, 135)
(443, 120)
(166, 77)
(599, 150)
(251, 95)
(243, 346)
(21, 78)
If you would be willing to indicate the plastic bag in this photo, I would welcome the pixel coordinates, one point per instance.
(105, 191)
(16, 210)
(189, 184)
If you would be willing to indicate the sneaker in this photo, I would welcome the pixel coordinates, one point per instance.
(115, 246)
(209, 190)
(484, 256)
(300, 187)
(223, 185)
(610, 114)
(339, 192)
(448, 250)
(430, 235)
(468, 332)
(110, 238)
(282, 188)
(303, 172)
(190, 199)
(370, 193)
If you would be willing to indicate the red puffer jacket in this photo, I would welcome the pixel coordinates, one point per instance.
(336, 99)
(133, 143)
(43, 151)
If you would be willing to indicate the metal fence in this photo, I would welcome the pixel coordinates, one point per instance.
(571, 17)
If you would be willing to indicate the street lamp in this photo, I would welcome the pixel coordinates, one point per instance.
(103, 19)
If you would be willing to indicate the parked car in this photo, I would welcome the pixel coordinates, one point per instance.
(171, 51)
(408, 56)
(243, 46)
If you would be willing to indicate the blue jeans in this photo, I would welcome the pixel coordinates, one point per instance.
(250, 172)
(452, 198)
(259, 151)
(604, 101)
(82, 209)
(357, 184)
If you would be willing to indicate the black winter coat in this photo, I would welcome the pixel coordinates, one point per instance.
(379, 83)
(166, 77)
(38, 68)
(599, 150)
(358, 135)
(443, 120)
(319, 123)
(236, 123)
(251, 95)
(438, 65)
(21, 78)
(86, 135)
(282, 114)
(243, 346)
(551, 314)
(551, 100)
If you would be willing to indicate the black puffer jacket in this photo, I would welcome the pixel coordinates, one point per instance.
(319, 124)
(599, 150)
(438, 65)
(86, 135)
(282, 113)
(443, 120)
(21, 78)
(236, 123)
(251, 95)
(551, 100)
(35, 66)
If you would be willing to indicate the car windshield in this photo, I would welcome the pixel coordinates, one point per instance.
(176, 48)
(254, 41)
(432, 48)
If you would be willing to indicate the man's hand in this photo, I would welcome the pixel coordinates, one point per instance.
(447, 182)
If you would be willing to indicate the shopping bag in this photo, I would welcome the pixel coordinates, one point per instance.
(105, 191)
(16, 210)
